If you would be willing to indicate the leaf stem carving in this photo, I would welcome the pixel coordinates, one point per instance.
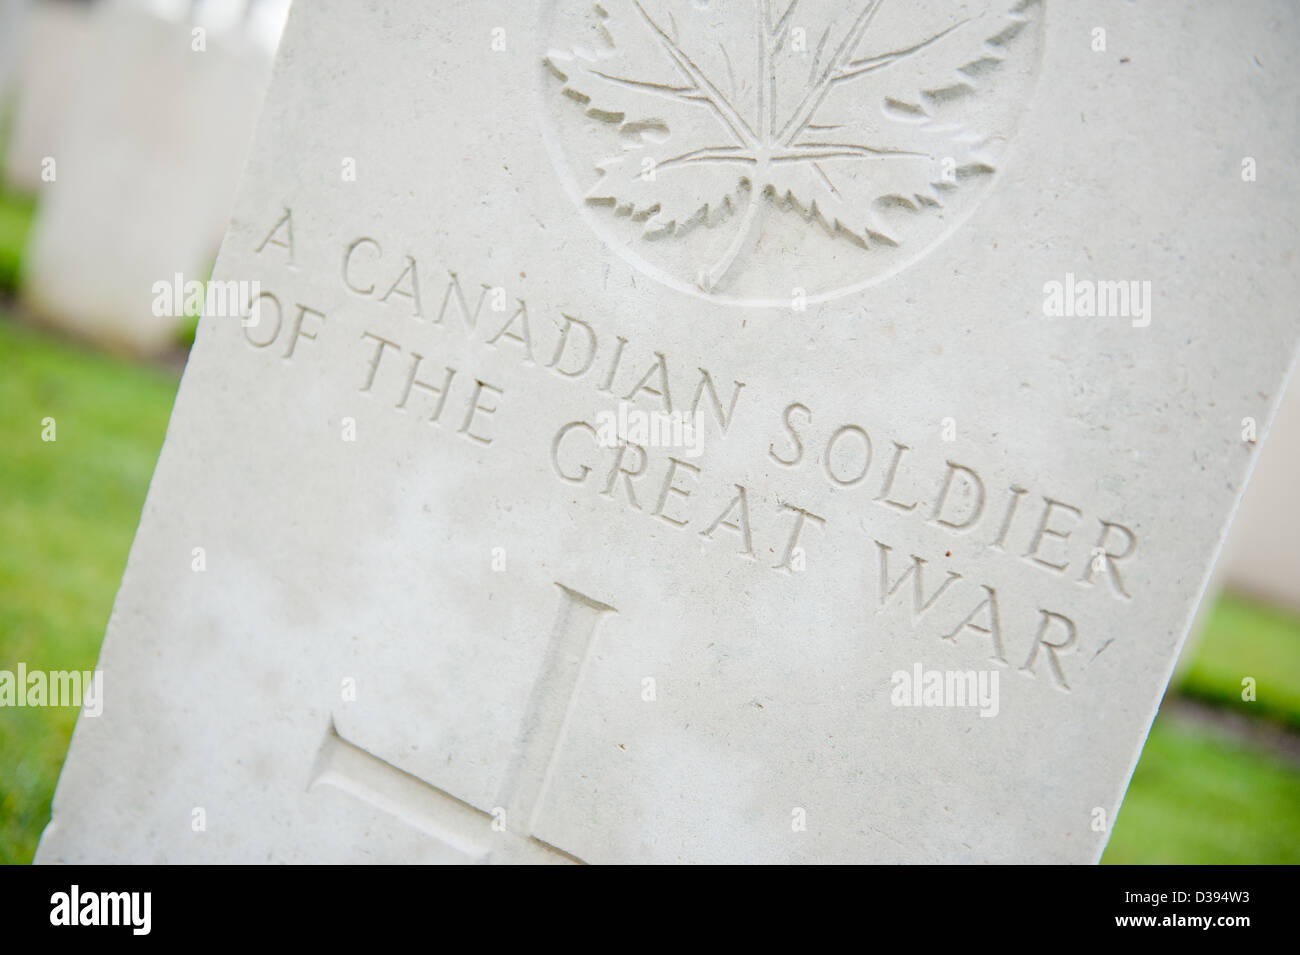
(803, 114)
(746, 234)
(733, 120)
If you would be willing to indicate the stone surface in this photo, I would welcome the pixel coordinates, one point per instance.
(396, 581)
(147, 166)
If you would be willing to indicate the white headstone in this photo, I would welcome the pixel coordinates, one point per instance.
(51, 65)
(401, 593)
(1260, 557)
(144, 176)
(12, 18)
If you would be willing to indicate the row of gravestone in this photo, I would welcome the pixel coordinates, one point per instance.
(401, 593)
(130, 127)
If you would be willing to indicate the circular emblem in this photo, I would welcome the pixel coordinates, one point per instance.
(764, 151)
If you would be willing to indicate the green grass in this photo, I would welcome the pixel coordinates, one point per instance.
(15, 222)
(68, 511)
(1198, 799)
(1243, 639)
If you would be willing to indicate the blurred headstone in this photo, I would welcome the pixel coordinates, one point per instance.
(1262, 555)
(12, 18)
(51, 68)
(145, 174)
(660, 440)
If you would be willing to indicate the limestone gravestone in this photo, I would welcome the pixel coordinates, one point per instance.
(144, 175)
(679, 431)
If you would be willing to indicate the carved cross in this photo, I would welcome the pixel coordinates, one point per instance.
(454, 822)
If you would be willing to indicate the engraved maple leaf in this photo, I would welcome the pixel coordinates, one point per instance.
(841, 128)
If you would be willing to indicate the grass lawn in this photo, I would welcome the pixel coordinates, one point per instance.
(1198, 799)
(1244, 639)
(68, 510)
(15, 223)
